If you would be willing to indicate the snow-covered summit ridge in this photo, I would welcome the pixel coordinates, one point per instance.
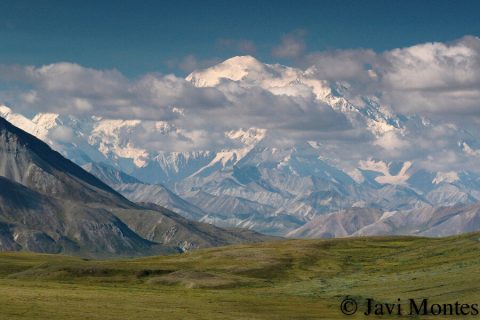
(235, 69)
(276, 78)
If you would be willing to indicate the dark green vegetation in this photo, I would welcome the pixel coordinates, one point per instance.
(291, 279)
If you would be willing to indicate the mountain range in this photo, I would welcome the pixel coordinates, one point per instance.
(300, 190)
(49, 204)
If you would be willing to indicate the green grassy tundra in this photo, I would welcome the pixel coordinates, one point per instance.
(288, 279)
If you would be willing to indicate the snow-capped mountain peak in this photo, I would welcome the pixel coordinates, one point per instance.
(46, 120)
(448, 177)
(23, 123)
(247, 137)
(234, 69)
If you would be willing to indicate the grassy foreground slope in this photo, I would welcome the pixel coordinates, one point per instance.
(291, 279)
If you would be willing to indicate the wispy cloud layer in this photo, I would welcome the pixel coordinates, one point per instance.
(430, 78)
(291, 46)
(433, 87)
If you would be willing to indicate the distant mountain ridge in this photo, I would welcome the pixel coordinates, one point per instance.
(425, 221)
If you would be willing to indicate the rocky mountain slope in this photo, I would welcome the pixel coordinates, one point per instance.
(138, 191)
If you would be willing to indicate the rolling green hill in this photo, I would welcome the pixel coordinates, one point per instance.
(288, 279)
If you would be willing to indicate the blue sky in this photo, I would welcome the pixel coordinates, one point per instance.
(136, 37)
(128, 60)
